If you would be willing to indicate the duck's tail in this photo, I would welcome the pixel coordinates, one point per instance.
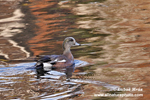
(39, 69)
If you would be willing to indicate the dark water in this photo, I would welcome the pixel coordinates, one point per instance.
(38, 27)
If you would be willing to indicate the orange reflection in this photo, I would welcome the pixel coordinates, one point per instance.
(49, 22)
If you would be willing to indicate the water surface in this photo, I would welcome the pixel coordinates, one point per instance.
(112, 52)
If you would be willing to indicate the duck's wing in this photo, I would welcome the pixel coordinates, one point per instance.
(50, 58)
(42, 58)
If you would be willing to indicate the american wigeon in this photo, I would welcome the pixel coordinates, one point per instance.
(58, 61)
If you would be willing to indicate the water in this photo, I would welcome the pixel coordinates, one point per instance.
(113, 53)
(53, 81)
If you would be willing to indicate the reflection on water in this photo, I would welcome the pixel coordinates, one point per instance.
(111, 40)
(52, 22)
(52, 85)
(40, 71)
(43, 27)
(9, 27)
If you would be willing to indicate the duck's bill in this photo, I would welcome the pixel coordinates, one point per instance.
(77, 44)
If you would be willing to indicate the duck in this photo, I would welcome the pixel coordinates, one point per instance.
(48, 62)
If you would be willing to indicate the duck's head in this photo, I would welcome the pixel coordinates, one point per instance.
(68, 42)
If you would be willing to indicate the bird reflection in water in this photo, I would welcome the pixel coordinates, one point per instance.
(68, 70)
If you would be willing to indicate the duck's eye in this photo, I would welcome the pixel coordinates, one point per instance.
(71, 40)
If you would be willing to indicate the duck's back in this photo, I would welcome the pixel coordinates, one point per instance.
(54, 60)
